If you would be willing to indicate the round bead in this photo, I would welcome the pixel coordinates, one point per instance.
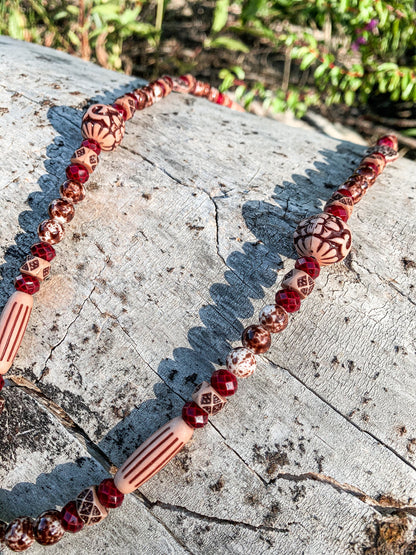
(353, 187)
(213, 94)
(109, 495)
(325, 237)
(89, 507)
(241, 362)
(104, 125)
(141, 99)
(389, 140)
(43, 250)
(128, 103)
(48, 528)
(1, 382)
(3, 526)
(76, 172)
(73, 191)
(134, 97)
(368, 171)
(92, 145)
(61, 210)
(193, 415)
(338, 211)
(51, 232)
(274, 318)
(167, 83)
(168, 80)
(224, 382)
(201, 89)
(19, 534)
(70, 519)
(190, 81)
(257, 339)
(158, 90)
(390, 154)
(289, 300)
(27, 284)
(308, 264)
(150, 95)
(376, 160)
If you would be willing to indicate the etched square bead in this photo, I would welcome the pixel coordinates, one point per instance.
(207, 398)
(86, 157)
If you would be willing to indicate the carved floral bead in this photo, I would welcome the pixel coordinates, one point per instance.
(323, 236)
(109, 495)
(104, 125)
(89, 508)
(129, 105)
(337, 210)
(257, 339)
(194, 416)
(86, 157)
(70, 519)
(208, 399)
(368, 172)
(19, 534)
(308, 264)
(51, 231)
(274, 318)
(48, 528)
(73, 191)
(77, 172)
(241, 362)
(299, 281)
(61, 210)
(288, 299)
(26, 284)
(43, 250)
(36, 267)
(224, 382)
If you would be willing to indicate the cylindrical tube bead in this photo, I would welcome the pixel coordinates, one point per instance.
(13, 322)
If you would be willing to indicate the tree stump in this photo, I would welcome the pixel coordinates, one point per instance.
(184, 236)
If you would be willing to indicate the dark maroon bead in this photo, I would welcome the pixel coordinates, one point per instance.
(1, 382)
(337, 211)
(76, 172)
(120, 110)
(193, 415)
(109, 495)
(70, 519)
(48, 528)
(308, 264)
(288, 299)
(27, 284)
(43, 250)
(257, 339)
(224, 382)
(344, 192)
(93, 145)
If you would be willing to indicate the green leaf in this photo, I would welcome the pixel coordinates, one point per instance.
(220, 15)
(229, 43)
(349, 97)
(238, 71)
(308, 60)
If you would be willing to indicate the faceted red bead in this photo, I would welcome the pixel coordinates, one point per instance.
(93, 145)
(1, 382)
(193, 415)
(220, 99)
(70, 519)
(109, 495)
(43, 250)
(224, 382)
(120, 110)
(308, 264)
(27, 284)
(76, 172)
(337, 211)
(388, 140)
(344, 192)
(290, 300)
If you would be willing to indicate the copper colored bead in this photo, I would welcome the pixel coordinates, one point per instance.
(150, 95)
(201, 89)
(89, 508)
(274, 318)
(213, 94)
(183, 84)
(299, 281)
(190, 79)
(368, 172)
(51, 231)
(129, 105)
(355, 187)
(158, 90)
(167, 83)
(61, 210)
(241, 362)
(73, 191)
(257, 339)
(86, 157)
(104, 125)
(375, 159)
(19, 534)
(141, 99)
(48, 528)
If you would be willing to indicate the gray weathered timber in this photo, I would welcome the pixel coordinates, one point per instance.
(184, 236)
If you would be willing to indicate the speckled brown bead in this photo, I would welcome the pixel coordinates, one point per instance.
(141, 99)
(61, 210)
(89, 508)
(257, 339)
(48, 529)
(51, 231)
(357, 186)
(128, 103)
(368, 173)
(208, 399)
(377, 160)
(73, 191)
(150, 95)
(158, 90)
(241, 362)
(201, 89)
(299, 281)
(213, 94)
(104, 125)
(19, 534)
(36, 267)
(324, 237)
(3, 526)
(274, 318)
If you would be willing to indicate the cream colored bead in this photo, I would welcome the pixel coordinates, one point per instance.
(241, 362)
(299, 281)
(13, 322)
(208, 398)
(36, 267)
(153, 455)
(127, 102)
(89, 506)
(86, 157)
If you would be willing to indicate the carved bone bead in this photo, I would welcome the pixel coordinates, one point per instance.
(208, 399)
(89, 507)
(300, 281)
(153, 455)
(36, 267)
(13, 322)
(323, 236)
(86, 157)
(128, 103)
(104, 125)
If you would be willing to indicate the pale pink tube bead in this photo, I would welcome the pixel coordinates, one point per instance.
(13, 322)
(153, 455)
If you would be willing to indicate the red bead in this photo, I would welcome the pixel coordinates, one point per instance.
(76, 172)
(388, 140)
(344, 192)
(93, 145)
(43, 250)
(337, 211)
(70, 519)
(109, 495)
(290, 300)
(220, 99)
(308, 264)
(1, 382)
(120, 110)
(168, 80)
(193, 415)
(224, 382)
(26, 284)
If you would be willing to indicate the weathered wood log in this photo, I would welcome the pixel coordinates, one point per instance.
(184, 235)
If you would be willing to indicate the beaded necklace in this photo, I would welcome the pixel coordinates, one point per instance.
(320, 240)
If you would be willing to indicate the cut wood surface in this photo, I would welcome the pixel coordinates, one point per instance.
(184, 236)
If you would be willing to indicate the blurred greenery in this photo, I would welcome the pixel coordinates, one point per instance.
(344, 51)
